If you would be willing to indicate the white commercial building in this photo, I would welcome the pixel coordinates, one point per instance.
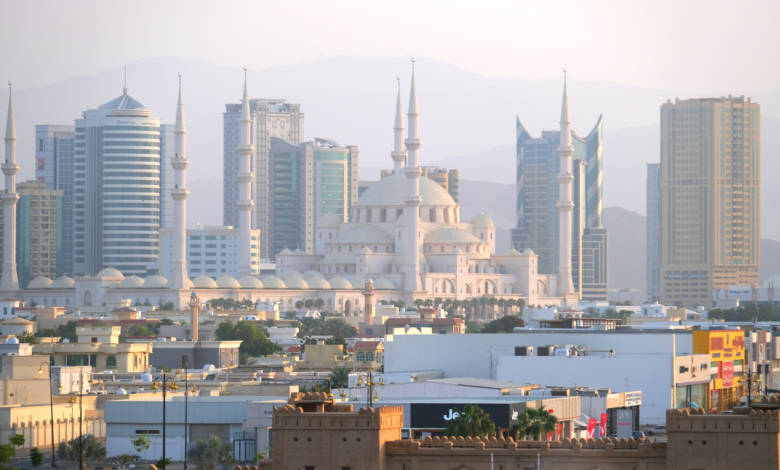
(211, 251)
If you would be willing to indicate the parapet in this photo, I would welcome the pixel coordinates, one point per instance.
(741, 420)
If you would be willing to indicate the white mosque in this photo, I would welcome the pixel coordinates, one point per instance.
(405, 235)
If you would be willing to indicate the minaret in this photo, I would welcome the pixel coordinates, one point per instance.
(399, 155)
(179, 278)
(565, 204)
(411, 248)
(10, 278)
(245, 177)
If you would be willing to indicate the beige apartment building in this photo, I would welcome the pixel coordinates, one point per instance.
(710, 181)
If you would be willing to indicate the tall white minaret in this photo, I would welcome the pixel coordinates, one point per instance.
(179, 192)
(565, 204)
(412, 213)
(10, 278)
(245, 177)
(399, 155)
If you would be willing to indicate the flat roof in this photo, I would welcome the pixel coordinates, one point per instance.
(481, 383)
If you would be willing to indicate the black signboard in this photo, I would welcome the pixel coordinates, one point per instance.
(437, 415)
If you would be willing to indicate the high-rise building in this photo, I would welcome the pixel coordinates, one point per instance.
(653, 231)
(39, 240)
(538, 194)
(211, 251)
(54, 168)
(269, 118)
(309, 181)
(710, 179)
(116, 174)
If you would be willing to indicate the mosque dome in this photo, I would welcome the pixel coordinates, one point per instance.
(391, 191)
(294, 280)
(528, 252)
(40, 282)
(228, 282)
(451, 235)
(63, 282)
(384, 283)
(317, 283)
(204, 282)
(271, 281)
(364, 233)
(110, 274)
(250, 282)
(155, 282)
(482, 220)
(131, 282)
(340, 283)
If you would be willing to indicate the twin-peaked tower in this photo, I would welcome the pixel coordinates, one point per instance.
(412, 234)
(245, 177)
(179, 278)
(565, 204)
(10, 278)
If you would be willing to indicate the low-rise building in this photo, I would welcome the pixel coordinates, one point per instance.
(99, 347)
(726, 349)
(220, 354)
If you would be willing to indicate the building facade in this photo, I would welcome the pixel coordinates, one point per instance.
(308, 182)
(538, 166)
(710, 180)
(116, 188)
(653, 231)
(269, 118)
(38, 235)
(54, 168)
(211, 251)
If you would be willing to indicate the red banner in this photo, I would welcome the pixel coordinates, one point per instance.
(725, 369)
(560, 431)
(591, 427)
(603, 424)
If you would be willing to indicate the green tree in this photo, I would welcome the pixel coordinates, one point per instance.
(166, 321)
(298, 304)
(254, 339)
(326, 327)
(92, 449)
(140, 330)
(8, 451)
(67, 330)
(471, 421)
(319, 303)
(339, 377)
(534, 423)
(163, 462)
(473, 327)
(206, 454)
(505, 324)
(27, 338)
(36, 457)
(141, 444)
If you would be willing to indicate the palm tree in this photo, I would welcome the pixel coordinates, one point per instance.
(299, 304)
(471, 421)
(534, 423)
(206, 454)
(339, 377)
(319, 303)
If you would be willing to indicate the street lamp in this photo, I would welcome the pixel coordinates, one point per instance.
(370, 383)
(185, 363)
(51, 406)
(165, 387)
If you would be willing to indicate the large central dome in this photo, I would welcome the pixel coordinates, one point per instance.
(391, 191)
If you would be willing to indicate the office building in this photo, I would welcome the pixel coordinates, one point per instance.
(54, 168)
(116, 187)
(710, 179)
(308, 182)
(211, 251)
(653, 231)
(269, 118)
(538, 197)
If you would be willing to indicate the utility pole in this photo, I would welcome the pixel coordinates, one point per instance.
(164, 461)
(184, 366)
(81, 419)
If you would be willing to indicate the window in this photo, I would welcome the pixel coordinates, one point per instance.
(111, 362)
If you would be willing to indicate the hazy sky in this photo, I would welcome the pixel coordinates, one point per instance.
(696, 46)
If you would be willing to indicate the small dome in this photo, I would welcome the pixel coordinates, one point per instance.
(339, 282)
(451, 235)
(250, 282)
(384, 283)
(121, 391)
(146, 377)
(110, 273)
(271, 281)
(318, 283)
(131, 281)
(482, 220)
(209, 368)
(155, 282)
(294, 280)
(285, 251)
(63, 282)
(311, 274)
(228, 282)
(204, 282)
(40, 282)
(528, 252)
(12, 340)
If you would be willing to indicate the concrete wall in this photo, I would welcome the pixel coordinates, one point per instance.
(650, 373)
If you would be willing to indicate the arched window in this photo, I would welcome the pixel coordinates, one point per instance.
(111, 362)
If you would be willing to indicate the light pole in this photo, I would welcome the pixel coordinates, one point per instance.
(81, 419)
(51, 407)
(165, 387)
(184, 365)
